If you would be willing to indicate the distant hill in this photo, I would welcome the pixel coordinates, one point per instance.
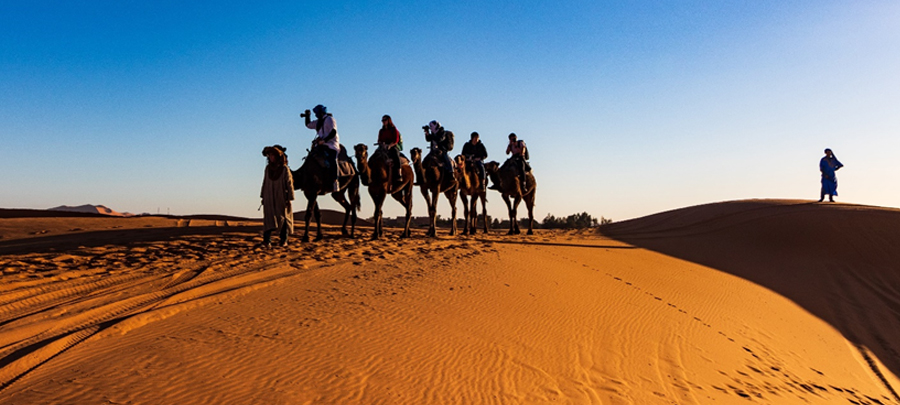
(29, 213)
(91, 209)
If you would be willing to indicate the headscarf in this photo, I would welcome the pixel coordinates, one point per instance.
(434, 125)
(274, 169)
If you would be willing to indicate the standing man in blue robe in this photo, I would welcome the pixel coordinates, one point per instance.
(828, 166)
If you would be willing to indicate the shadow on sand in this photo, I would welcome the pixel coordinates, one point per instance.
(840, 262)
(531, 242)
(90, 239)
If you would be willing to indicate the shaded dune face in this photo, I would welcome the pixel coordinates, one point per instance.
(839, 262)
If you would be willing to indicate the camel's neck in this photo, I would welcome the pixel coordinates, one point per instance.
(362, 166)
(420, 173)
(495, 177)
(463, 176)
(377, 168)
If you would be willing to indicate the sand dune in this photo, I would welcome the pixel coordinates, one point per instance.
(840, 262)
(767, 302)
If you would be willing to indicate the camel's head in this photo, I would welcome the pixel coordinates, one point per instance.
(361, 150)
(491, 167)
(415, 154)
(460, 161)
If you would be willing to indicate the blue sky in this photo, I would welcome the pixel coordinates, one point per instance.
(629, 108)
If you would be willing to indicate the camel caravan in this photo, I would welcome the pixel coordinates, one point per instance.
(386, 171)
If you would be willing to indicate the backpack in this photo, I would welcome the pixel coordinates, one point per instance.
(448, 140)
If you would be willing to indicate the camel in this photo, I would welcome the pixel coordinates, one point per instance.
(470, 184)
(376, 173)
(314, 179)
(505, 176)
(433, 180)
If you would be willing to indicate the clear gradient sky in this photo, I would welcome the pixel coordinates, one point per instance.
(628, 107)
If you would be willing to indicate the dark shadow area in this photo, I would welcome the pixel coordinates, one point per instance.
(840, 262)
(529, 242)
(71, 241)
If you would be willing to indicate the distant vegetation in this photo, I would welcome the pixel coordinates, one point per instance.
(574, 221)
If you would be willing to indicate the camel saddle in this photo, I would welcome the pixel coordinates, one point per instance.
(345, 163)
(434, 159)
(403, 159)
(509, 164)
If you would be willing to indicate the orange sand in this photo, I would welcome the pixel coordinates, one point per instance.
(771, 302)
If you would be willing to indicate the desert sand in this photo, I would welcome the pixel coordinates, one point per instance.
(768, 302)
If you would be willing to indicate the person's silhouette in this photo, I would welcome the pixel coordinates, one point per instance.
(828, 166)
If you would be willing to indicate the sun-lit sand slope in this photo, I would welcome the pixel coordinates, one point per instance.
(697, 306)
(839, 262)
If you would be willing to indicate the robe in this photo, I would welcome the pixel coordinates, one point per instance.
(276, 196)
(828, 167)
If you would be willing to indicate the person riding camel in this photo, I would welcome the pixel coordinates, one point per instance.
(441, 143)
(475, 152)
(519, 156)
(389, 140)
(327, 141)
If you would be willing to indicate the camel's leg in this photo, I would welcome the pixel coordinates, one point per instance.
(432, 213)
(509, 211)
(465, 201)
(378, 200)
(310, 204)
(427, 200)
(451, 196)
(484, 213)
(354, 199)
(472, 216)
(409, 205)
(473, 212)
(319, 235)
(515, 211)
(404, 197)
(348, 208)
(529, 203)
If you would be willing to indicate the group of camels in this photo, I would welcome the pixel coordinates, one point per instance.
(375, 172)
